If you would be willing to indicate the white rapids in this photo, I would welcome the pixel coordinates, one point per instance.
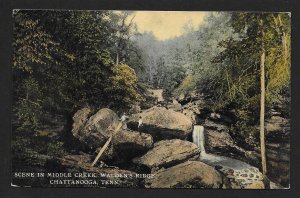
(199, 140)
(238, 170)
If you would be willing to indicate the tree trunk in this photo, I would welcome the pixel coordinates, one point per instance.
(262, 112)
(117, 59)
(106, 144)
(102, 151)
(262, 102)
(284, 41)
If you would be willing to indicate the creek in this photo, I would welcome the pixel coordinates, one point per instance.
(239, 170)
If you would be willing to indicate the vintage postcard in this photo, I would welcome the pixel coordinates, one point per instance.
(151, 99)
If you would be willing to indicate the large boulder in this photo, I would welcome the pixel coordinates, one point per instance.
(162, 123)
(191, 115)
(167, 153)
(129, 144)
(223, 144)
(79, 120)
(95, 131)
(191, 174)
(126, 145)
(218, 141)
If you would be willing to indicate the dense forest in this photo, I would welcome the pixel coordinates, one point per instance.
(64, 61)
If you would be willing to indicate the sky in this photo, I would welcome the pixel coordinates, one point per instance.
(167, 24)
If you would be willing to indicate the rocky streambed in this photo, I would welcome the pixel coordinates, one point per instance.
(162, 147)
(165, 151)
(221, 141)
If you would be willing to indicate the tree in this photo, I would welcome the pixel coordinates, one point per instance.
(262, 101)
(174, 76)
(34, 52)
(201, 48)
(123, 89)
(66, 57)
(123, 30)
(257, 51)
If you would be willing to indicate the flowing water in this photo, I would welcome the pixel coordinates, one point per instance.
(237, 170)
(211, 159)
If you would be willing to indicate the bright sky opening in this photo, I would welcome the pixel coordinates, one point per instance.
(167, 24)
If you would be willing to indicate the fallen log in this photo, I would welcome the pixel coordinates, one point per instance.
(106, 145)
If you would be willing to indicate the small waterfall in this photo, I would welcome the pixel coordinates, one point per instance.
(212, 159)
(226, 163)
(198, 137)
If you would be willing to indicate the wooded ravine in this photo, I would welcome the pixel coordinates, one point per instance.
(212, 104)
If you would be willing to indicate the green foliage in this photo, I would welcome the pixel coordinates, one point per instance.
(123, 90)
(55, 148)
(238, 85)
(63, 60)
(186, 86)
(244, 130)
(83, 80)
(29, 109)
(226, 64)
(173, 78)
(29, 153)
(245, 127)
(203, 74)
(266, 30)
(32, 45)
